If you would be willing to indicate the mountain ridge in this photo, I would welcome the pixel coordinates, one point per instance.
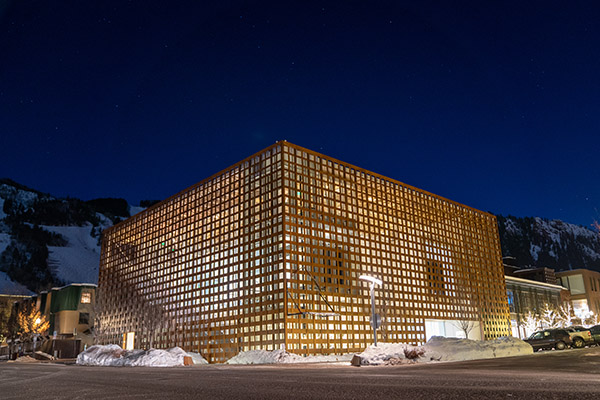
(541, 242)
(47, 241)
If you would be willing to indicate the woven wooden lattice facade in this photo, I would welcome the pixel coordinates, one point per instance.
(267, 254)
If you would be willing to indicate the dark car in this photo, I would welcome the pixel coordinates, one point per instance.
(558, 339)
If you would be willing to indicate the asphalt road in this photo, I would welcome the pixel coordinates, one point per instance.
(568, 374)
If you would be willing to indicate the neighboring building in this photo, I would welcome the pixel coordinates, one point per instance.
(70, 310)
(7, 302)
(267, 254)
(525, 296)
(540, 274)
(584, 286)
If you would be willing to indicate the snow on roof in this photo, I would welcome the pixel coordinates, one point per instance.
(24, 296)
(576, 271)
(74, 284)
(534, 283)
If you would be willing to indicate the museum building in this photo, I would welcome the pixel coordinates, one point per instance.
(267, 254)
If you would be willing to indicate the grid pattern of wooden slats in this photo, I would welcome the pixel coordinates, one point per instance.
(267, 254)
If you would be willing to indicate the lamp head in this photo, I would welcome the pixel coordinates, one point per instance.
(371, 279)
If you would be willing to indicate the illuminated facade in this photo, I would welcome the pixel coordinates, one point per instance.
(584, 287)
(527, 296)
(267, 254)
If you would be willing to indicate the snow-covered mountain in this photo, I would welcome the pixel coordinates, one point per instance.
(549, 243)
(46, 241)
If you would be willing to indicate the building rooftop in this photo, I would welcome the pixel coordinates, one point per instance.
(534, 283)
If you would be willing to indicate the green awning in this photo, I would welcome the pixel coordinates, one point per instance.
(66, 298)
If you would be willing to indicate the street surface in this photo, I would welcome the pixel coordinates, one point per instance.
(568, 374)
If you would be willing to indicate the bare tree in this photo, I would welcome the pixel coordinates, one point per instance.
(531, 323)
(589, 319)
(566, 314)
(550, 318)
(466, 326)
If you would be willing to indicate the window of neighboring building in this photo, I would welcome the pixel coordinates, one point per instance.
(580, 308)
(86, 297)
(576, 284)
(84, 318)
(511, 300)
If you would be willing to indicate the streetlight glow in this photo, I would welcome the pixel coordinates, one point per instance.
(374, 317)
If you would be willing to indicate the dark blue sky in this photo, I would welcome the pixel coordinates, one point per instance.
(492, 105)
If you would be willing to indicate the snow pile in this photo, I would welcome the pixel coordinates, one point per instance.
(25, 359)
(197, 359)
(282, 357)
(264, 357)
(385, 353)
(45, 356)
(114, 356)
(454, 349)
(446, 349)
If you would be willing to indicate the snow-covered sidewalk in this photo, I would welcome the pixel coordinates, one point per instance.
(444, 349)
(283, 357)
(113, 355)
(437, 349)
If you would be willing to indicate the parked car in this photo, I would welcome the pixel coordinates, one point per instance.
(596, 333)
(581, 336)
(558, 339)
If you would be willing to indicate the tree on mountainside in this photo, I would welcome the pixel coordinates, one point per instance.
(148, 203)
(555, 244)
(114, 209)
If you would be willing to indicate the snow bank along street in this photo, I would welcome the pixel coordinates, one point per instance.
(282, 357)
(437, 349)
(445, 349)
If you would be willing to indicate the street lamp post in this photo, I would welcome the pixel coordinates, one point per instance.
(374, 321)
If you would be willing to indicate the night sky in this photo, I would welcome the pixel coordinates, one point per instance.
(492, 105)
